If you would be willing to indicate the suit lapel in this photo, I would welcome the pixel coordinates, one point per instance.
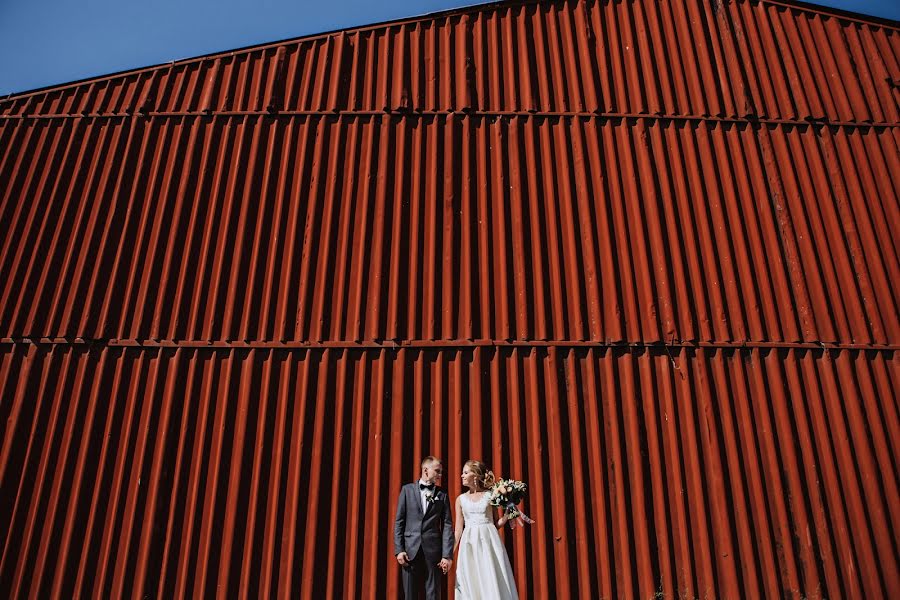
(417, 498)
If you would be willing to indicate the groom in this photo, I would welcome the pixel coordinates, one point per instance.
(423, 532)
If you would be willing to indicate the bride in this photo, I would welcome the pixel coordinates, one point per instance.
(482, 566)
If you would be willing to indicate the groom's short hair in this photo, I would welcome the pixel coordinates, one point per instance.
(430, 460)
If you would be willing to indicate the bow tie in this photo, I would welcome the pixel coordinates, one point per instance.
(423, 486)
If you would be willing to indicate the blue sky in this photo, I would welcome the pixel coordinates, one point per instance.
(49, 42)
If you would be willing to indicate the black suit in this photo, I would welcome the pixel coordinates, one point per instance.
(426, 537)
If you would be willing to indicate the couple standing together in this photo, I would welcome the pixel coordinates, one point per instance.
(425, 539)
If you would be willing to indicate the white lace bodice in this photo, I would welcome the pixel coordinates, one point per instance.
(477, 512)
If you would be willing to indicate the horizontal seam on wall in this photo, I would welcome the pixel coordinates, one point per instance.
(468, 113)
(436, 344)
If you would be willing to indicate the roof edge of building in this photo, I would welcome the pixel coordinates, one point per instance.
(462, 10)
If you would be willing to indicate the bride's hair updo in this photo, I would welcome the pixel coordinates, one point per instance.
(484, 477)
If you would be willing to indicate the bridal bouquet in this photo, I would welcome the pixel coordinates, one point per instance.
(505, 494)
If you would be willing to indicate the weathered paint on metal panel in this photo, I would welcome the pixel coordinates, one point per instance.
(641, 254)
(733, 473)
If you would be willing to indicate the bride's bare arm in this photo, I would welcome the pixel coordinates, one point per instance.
(502, 520)
(460, 522)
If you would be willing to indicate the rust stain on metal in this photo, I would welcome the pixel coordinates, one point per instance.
(641, 254)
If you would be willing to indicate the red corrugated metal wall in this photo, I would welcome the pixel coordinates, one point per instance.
(642, 255)
(695, 472)
(451, 227)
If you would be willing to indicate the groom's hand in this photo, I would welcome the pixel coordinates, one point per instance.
(403, 558)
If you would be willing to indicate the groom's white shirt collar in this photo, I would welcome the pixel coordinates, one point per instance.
(422, 495)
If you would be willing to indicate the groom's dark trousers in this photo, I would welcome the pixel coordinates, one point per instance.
(418, 573)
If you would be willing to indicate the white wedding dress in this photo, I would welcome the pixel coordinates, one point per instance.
(483, 571)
